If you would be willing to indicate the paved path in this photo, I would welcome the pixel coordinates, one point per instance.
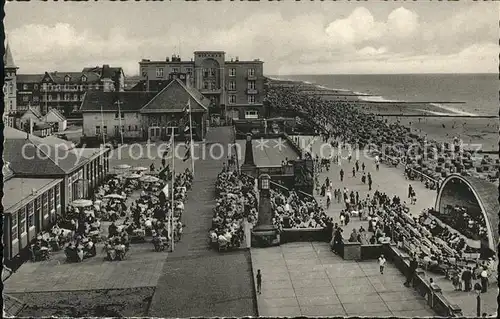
(268, 152)
(307, 279)
(197, 281)
(391, 181)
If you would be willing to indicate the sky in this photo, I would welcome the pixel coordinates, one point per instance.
(304, 37)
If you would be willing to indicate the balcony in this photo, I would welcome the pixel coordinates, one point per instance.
(210, 91)
(251, 77)
(252, 91)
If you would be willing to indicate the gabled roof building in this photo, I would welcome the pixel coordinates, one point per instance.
(143, 115)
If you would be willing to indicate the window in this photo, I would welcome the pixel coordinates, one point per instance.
(22, 220)
(36, 99)
(159, 72)
(66, 78)
(175, 70)
(31, 215)
(25, 98)
(25, 87)
(232, 85)
(116, 129)
(84, 78)
(251, 85)
(97, 130)
(10, 105)
(84, 87)
(35, 87)
(189, 70)
(50, 97)
(252, 114)
(130, 128)
(251, 72)
(232, 99)
(105, 130)
(212, 71)
(51, 199)
(251, 99)
(45, 204)
(123, 128)
(44, 86)
(144, 73)
(205, 85)
(74, 87)
(232, 72)
(14, 227)
(58, 87)
(58, 195)
(58, 97)
(66, 97)
(66, 87)
(116, 115)
(38, 206)
(205, 73)
(82, 97)
(75, 97)
(136, 128)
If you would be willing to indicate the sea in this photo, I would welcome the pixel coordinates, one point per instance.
(479, 93)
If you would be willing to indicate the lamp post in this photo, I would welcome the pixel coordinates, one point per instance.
(265, 233)
(478, 288)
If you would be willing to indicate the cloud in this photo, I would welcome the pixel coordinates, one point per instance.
(311, 43)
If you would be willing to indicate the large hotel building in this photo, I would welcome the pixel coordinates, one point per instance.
(235, 88)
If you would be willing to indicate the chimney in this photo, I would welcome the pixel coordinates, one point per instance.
(237, 59)
(188, 81)
(167, 59)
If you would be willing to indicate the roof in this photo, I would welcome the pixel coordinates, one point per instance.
(139, 86)
(57, 113)
(487, 194)
(6, 171)
(19, 191)
(58, 142)
(130, 101)
(29, 78)
(174, 97)
(29, 155)
(8, 59)
(41, 126)
(75, 77)
(105, 71)
(12, 306)
(35, 112)
(89, 152)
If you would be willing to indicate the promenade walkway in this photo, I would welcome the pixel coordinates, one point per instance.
(307, 279)
(195, 280)
(391, 181)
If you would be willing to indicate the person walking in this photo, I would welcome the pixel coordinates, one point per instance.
(410, 190)
(411, 271)
(369, 183)
(381, 263)
(363, 166)
(353, 172)
(467, 277)
(484, 280)
(259, 282)
(363, 178)
(341, 175)
(357, 166)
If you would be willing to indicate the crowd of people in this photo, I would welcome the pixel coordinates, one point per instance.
(236, 204)
(470, 224)
(349, 124)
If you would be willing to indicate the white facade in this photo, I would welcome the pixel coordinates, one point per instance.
(94, 124)
(25, 120)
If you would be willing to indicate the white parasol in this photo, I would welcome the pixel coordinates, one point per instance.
(132, 176)
(149, 179)
(114, 196)
(139, 169)
(82, 203)
(122, 166)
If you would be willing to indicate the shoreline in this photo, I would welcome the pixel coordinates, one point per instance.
(431, 121)
(372, 103)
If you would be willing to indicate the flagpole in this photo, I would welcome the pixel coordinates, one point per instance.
(102, 122)
(173, 191)
(191, 133)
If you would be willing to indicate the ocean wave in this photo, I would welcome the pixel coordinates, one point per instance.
(434, 112)
(377, 99)
(452, 109)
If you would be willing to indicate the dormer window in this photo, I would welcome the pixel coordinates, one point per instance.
(66, 78)
(84, 78)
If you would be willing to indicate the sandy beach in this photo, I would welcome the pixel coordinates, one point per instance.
(476, 131)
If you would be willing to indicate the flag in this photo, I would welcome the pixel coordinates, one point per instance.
(164, 173)
(187, 155)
